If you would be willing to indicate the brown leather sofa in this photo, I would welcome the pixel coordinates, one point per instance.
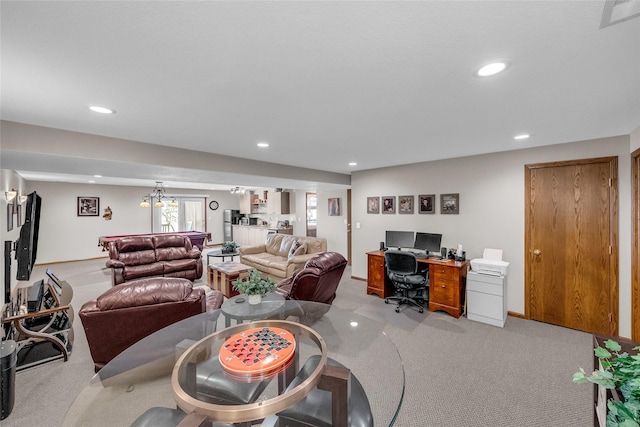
(317, 281)
(135, 257)
(126, 313)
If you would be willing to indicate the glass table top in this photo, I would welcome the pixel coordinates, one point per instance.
(180, 366)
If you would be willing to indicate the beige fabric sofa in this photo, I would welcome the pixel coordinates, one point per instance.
(282, 255)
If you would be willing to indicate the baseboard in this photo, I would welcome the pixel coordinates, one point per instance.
(358, 278)
(514, 314)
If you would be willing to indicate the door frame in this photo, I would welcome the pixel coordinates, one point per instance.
(613, 234)
(635, 247)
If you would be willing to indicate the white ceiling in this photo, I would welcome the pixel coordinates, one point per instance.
(324, 82)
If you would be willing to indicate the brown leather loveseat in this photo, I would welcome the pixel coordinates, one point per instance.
(126, 313)
(135, 257)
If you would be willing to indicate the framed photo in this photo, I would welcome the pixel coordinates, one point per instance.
(450, 203)
(389, 205)
(88, 206)
(427, 203)
(405, 204)
(373, 205)
(334, 207)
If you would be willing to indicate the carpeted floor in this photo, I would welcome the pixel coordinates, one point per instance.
(458, 372)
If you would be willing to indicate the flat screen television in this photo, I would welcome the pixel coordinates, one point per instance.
(428, 242)
(27, 244)
(399, 239)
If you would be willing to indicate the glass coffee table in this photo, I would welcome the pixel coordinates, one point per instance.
(220, 254)
(181, 366)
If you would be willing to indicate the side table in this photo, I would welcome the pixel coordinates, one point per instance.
(220, 276)
(238, 308)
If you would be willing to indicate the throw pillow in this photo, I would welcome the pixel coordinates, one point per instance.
(302, 249)
(293, 249)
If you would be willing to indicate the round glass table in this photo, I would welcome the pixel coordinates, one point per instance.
(239, 309)
(187, 366)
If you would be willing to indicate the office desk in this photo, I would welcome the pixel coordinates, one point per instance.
(447, 280)
(141, 377)
(197, 238)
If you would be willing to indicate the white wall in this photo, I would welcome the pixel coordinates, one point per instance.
(333, 228)
(64, 236)
(9, 180)
(491, 189)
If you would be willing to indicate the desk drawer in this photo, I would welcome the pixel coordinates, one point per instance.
(443, 272)
(444, 292)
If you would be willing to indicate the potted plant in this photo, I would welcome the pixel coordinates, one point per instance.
(254, 287)
(229, 247)
(619, 371)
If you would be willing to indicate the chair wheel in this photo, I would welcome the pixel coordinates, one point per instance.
(421, 310)
(386, 301)
(397, 309)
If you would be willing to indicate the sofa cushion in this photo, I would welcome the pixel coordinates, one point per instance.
(302, 249)
(272, 243)
(144, 270)
(138, 258)
(147, 291)
(293, 249)
(174, 265)
(315, 246)
(285, 245)
(134, 244)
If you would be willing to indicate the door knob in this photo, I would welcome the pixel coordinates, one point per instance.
(537, 252)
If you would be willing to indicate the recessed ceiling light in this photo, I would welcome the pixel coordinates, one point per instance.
(521, 136)
(492, 68)
(353, 164)
(102, 110)
(263, 144)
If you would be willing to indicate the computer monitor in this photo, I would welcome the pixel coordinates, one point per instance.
(399, 239)
(429, 242)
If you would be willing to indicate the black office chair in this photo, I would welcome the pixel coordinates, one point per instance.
(410, 280)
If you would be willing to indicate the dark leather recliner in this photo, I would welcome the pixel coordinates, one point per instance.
(127, 313)
(136, 257)
(317, 281)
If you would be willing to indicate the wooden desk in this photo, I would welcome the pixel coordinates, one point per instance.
(447, 280)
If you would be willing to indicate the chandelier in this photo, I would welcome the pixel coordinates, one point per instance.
(159, 194)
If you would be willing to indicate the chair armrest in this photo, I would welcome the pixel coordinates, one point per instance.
(300, 259)
(114, 263)
(247, 250)
(195, 253)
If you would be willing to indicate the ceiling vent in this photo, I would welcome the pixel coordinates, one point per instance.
(616, 11)
(278, 190)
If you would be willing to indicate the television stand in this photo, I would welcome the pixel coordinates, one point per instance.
(43, 334)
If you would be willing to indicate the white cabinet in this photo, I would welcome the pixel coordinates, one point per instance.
(246, 203)
(278, 203)
(487, 298)
(249, 235)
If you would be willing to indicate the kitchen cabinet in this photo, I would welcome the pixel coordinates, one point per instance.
(278, 203)
(249, 235)
(246, 202)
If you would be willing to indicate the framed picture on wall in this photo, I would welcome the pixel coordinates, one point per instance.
(88, 206)
(334, 207)
(373, 205)
(389, 205)
(405, 204)
(427, 203)
(450, 203)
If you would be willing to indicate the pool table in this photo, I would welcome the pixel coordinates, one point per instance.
(197, 238)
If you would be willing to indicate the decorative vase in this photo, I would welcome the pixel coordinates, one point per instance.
(255, 299)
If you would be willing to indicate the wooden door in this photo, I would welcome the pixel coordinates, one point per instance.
(635, 249)
(571, 244)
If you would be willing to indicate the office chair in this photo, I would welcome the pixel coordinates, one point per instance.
(408, 278)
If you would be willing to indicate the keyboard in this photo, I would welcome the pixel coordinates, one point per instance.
(421, 255)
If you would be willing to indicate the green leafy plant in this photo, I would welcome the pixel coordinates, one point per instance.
(254, 285)
(619, 371)
(229, 247)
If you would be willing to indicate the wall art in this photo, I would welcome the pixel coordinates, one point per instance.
(427, 203)
(450, 203)
(88, 206)
(405, 204)
(373, 205)
(389, 205)
(334, 207)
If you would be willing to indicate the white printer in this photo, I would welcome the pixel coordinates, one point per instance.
(491, 263)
